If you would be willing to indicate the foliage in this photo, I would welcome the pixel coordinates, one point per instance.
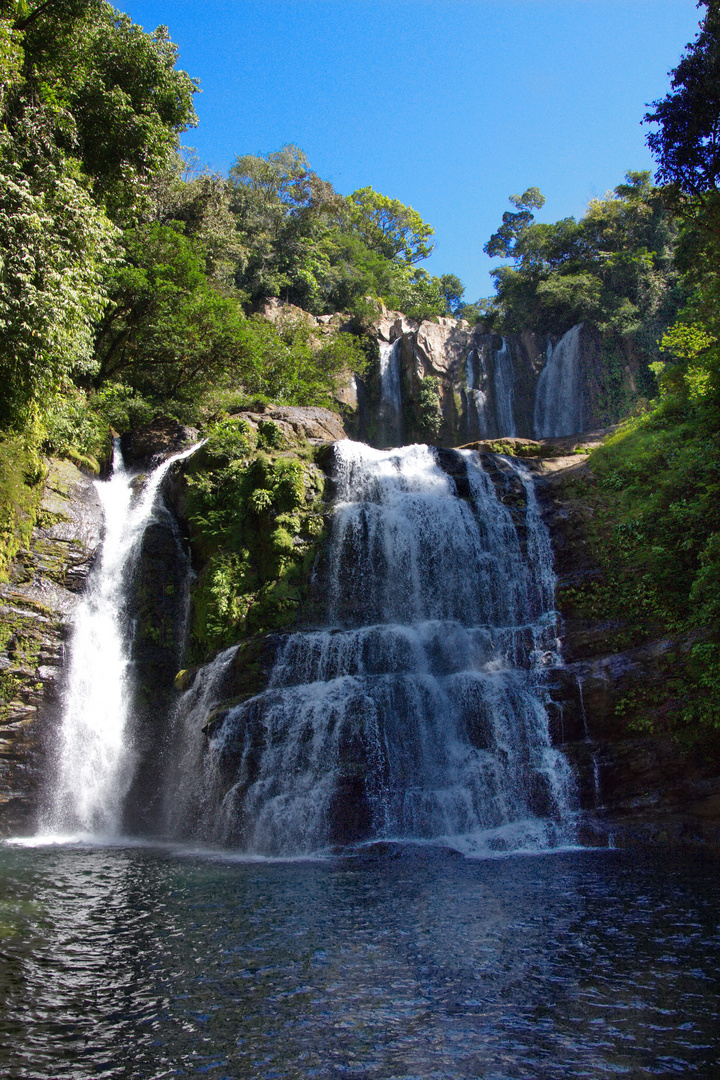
(614, 268)
(112, 92)
(503, 243)
(686, 143)
(303, 242)
(53, 243)
(386, 226)
(91, 107)
(255, 520)
(429, 415)
(21, 481)
(166, 330)
(286, 363)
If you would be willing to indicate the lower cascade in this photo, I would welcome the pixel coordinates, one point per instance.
(417, 710)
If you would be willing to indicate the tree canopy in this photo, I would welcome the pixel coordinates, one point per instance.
(686, 143)
(386, 226)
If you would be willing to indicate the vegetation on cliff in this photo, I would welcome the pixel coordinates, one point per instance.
(253, 501)
(656, 498)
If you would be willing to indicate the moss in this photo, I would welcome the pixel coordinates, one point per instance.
(87, 463)
(22, 474)
(24, 631)
(256, 521)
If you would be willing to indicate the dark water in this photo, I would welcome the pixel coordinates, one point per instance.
(149, 963)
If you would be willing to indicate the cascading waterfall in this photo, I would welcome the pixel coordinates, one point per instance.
(96, 761)
(390, 410)
(559, 393)
(418, 711)
(491, 411)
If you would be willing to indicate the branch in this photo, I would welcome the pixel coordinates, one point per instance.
(22, 24)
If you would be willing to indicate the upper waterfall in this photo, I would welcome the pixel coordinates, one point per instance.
(559, 394)
(390, 409)
(418, 710)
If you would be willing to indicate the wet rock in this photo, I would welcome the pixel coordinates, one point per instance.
(36, 609)
(148, 445)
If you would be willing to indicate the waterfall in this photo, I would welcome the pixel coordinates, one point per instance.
(476, 399)
(390, 410)
(95, 757)
(504, 383)
(418, 711)
(491, 411)
(559, 394)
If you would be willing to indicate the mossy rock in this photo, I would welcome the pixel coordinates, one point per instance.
(256, 520)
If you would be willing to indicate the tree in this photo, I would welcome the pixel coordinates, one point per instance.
(115, 98)
(687, 142)
(283, 210)
(395, 231)
(453, 290)
(165, 329)
(503, 242)
(614, 267)
(55, 245)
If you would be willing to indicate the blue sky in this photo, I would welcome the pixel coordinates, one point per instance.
(448, 105)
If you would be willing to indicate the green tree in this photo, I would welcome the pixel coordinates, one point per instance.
(55, 243)
(165, 329)
(686, 143)
(387, 226)
(503, 242)
(113, 93)
(613, 268)
(283, 210)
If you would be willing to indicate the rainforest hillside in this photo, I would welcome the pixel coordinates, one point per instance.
(132, 286)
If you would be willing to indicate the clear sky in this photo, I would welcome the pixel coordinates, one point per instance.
(448, 105)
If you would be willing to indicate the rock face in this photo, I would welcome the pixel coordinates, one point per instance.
(158, 607)
(461, 383)
(36, 609)
(633, 788)
(306, 422)
(148, 445)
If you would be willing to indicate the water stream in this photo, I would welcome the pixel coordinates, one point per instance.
(95, 758)
(417, 711)
(559, 393)
(390, 410)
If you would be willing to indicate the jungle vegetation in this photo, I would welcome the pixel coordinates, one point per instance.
(132, 281)
(656, 499)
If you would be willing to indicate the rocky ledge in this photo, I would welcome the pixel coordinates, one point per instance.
(634, 789)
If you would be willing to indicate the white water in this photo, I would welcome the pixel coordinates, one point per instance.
(504, 383)
(390, 411)
(491, 411)
(418, 712)
(559, 397)
(95, 760)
